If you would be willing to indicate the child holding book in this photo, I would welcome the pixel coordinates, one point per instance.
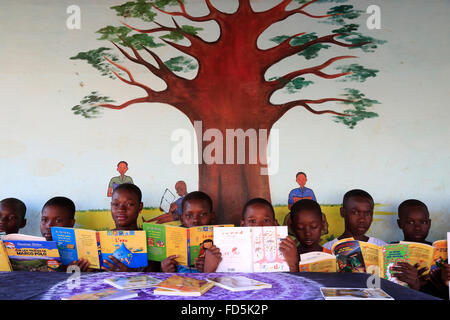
(307, 224)
(257, 212)
(414, 221)
(197, 210)
(12, 215)
(357, 211)
(60, 212)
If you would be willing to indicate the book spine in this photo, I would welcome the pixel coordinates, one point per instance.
(188, 247)
(99, 249)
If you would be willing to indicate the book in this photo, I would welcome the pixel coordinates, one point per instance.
(167, 199)
(5, 264)
(354, 294)
(19, 236)
(317, 261)
(107, 294)
(132, 282)
(182, 286)
(349, 257)
(30, 255)
(251, 249)
(129, 247)
(239, 283)
(188, 243)
(440, 255)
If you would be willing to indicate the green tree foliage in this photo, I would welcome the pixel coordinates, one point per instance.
(96, 59)
(87, 107)
(359, 111)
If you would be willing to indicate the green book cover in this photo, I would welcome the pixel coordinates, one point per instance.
(156, 241)
(392, 254)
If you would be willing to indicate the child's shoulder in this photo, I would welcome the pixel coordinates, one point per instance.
(376, 241)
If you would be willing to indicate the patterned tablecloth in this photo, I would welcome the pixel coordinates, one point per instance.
(285, 286)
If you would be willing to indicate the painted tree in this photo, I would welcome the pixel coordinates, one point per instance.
(230, 89)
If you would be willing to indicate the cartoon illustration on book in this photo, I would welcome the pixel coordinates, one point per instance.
(122, 167)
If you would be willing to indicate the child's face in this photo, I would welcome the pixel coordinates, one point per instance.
(258, 215)
(358, 214)
(125, 209)
(54, 216)
(10, 220)
(307, 227)
(415, 224)
(196, 213)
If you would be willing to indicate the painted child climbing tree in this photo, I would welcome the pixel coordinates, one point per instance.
(230, 89)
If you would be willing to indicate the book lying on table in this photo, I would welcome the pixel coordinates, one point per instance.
(317, 261)
(251, 249)
(239, 283)
(182, 286)
(108, 294)
(132, 282)
(32, 254)
(188, 243)
(129, 247)
(354, 294)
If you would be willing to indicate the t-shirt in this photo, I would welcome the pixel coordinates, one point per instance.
(115, 181)
(373, 240)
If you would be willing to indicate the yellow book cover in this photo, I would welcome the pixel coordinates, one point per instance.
(185, 286)
(129, 247)
(177, 244)
(372, 255)
(317, 262)
(420, 253)
(440, 253)
(5, 264)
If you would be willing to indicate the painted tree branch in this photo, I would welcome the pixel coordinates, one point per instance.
(304, 103)
(212, 15)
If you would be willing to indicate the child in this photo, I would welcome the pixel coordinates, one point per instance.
(197, 210)
(60, 212)
(12, 215)
(257, 212)
(357, 211)
(307, 224)
(414, 220)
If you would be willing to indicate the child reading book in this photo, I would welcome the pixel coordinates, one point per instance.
(307, 223)
(414, 221)
(12, 215)
(357, 211)
(197, 210)
(257, 212)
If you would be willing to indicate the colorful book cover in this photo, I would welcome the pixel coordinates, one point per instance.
(107, 294)
(251, 249)
(188, 243)
(27, 255)
(349, 257)
(393, 253)
(5, 264)
(371, 255)
(239, 283)
(132, 282)
(74, 244)
(354, 294)
(129, 247)
(317, 262)
(184, 286)
(420, 253)
(440, 255)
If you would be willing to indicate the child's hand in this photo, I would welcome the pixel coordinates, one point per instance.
(288, 248)
(213, 256)
(199, 263)
(83, 264)
(409, 274)
(169, 264)
(117, 266)
(445, 273)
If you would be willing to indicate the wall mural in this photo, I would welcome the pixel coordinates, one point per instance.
(234, 82)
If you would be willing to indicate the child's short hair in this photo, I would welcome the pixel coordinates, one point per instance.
(410, 203)
(21, 208)
(62, 202)
(357, 193)
(130, 187)
(255, 201)
(197, 195)
(303, 205)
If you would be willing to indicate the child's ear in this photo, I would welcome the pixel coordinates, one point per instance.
(23, 224)
(342, 211)
(242, 223)
(141, 206)
(399, 224)
(71, 223)
(213, 217)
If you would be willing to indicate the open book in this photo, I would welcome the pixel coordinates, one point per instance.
(166, 200)
(317, 261)
(129, 247)
(188, 243)
(251, 249)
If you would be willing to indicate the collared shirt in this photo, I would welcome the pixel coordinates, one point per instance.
(299, 193)
(115, 181)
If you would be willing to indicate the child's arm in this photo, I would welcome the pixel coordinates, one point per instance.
(445, 273)
(169, 264)
(288, 248)
(83, 264)
(409, 274)
(213, 257)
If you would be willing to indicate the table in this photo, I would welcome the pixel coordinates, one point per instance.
(285, 286)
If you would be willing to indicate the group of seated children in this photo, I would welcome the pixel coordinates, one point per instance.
(306, 222)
